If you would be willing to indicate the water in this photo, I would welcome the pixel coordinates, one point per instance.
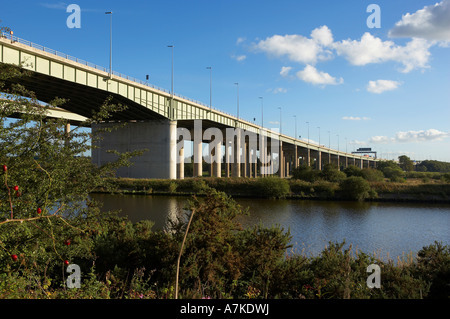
(388, 230)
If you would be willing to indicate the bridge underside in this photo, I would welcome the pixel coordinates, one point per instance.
(82, 99)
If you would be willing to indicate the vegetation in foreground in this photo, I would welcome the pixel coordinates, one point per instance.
(47, 222)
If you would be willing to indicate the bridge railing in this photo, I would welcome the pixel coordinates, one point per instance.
(14, 39)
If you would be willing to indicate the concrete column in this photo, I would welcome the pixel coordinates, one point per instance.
(338, 163)
(237, 155)
(227, 158)
(157, 136)
(198, 165)
(250, 163)
(281, 160)
(295, 157)
(218, 160)
(180, 173)
(308, 156)
(245, 158)
(319, 160)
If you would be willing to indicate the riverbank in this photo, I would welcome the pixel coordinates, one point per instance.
(411, 190)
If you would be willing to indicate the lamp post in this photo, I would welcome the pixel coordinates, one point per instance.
(210, 87)
(237, 84)
(110, 43)
(308, 131)
(262, 111)
(171, 46)
(295, 136)
(319, 135)
(280, 120)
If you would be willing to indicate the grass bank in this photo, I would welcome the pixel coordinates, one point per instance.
(411, 190)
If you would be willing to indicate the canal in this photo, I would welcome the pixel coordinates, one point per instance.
(388, 230)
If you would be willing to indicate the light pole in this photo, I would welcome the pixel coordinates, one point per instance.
(280, 120)
(210, 87)
(237, 84)
(319, 135)
(329, 139)
(262, 111)
(295, 116)
(171, 46)
(308, 131)
(110, 42)
(338, 141)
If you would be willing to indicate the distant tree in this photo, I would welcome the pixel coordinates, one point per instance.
(433, 166)
(405, 163)
(332, 174)
(352, 170)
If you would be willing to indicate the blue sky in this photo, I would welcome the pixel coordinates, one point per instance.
(385, 88)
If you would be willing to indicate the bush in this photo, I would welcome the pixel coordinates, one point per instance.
(305, 173)
(352, 170)
(355, 188)
(372, 175)
(273, 187)
(332, 174)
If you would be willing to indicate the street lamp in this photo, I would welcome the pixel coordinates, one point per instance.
(171, 46)
(295, 136)
(110, 43)
(210, 87)
(262, 111)
(338, 141)
(280, 119)
(319, 135)
(237, 84)
(308, 131)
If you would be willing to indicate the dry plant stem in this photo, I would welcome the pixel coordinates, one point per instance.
(9, 194)
(181, 252)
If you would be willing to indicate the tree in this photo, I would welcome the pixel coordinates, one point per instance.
(355, 188)
(405, 163)
(46, 217)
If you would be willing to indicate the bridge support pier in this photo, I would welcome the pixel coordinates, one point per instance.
(157, 136)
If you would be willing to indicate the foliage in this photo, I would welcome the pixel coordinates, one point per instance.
(355, 188)
(273, 187)
(433, 166)
(332, 174)
(405, 163)
(372, 175)
(305, 173)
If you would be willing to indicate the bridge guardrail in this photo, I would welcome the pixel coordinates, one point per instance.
(14, 38)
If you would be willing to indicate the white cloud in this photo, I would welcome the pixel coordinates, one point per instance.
(239, 58)
(278, 90)
(431, 23)
(311, 75)
(57, 5)
(285, 71)
(411, 136)
(355, 118)
(299, 48)
(380, 86)
(370, 49)
(240, 40)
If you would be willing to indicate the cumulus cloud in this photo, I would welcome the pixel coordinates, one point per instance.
(370, 49)
(355, 118)
(285, 71)
(239, 58)
(311, 75)
(299, 48)
(379, 86)
(411, 136)
(431, 23)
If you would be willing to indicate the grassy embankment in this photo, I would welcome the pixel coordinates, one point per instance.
(418, 187)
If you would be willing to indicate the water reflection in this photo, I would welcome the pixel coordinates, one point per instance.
(387, 229)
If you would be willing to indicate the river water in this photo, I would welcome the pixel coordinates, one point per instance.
(387, 230)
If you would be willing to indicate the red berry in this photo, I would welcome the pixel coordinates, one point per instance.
(66, 262)
(39, 210)
(5, 168)
(16, 188)
(17, 194)
(67, 242)
(14, 257)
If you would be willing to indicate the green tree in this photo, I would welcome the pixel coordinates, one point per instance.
(406, 163)
(355, 188)
(46, 216)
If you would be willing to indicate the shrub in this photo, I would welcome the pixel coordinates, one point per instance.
(305, 173)
(332, 174)
(273, 187)
(352, 170)
(372, 175)
(355, 188)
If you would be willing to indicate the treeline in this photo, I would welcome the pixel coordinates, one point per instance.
(433, 166)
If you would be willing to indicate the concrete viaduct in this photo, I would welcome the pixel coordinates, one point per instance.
(162, 122)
